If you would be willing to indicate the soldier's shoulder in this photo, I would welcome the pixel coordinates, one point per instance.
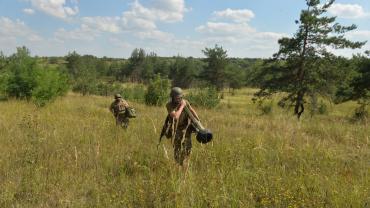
(187, 102)
(169, 105)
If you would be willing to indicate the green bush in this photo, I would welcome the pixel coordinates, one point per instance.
(322, 109)
(207, 97)
(136, 93)
(361, 113)
(157, 92)
(85, 86)
(265, 108)
(107, 89)
(24, 78)
(50, 83)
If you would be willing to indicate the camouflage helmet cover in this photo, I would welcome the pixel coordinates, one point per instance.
(116, 96)
(176, 91)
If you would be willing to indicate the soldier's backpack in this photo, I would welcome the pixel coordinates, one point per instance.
(119, 108)
(130, 112)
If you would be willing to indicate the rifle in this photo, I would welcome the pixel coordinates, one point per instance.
(165, 127)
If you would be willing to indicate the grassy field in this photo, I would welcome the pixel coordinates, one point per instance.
(71, 154)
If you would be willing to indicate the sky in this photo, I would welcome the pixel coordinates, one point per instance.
(113, 28)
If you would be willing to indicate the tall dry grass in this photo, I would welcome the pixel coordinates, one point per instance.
(71, 154)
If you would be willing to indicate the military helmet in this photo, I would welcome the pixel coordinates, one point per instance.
(176, 91)
(116, 96)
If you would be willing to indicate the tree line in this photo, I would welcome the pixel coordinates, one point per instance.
(303, 68)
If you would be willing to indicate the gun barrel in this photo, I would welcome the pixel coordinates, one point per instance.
(197, 123)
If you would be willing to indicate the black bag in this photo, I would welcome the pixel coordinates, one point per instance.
(130, 112)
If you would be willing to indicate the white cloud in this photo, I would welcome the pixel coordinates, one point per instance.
(83, 33)
(360, 34)
(17, 29)
(240, 15)
(105, 24)
(29, 11)
(56, 8)
(15, 33)
(238, 36)
(121, 43)
(350, 11)
(225, 29)
(156, 35)
(140, 17)
(169, 10)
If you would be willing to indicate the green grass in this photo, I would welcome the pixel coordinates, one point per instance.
(70, 154)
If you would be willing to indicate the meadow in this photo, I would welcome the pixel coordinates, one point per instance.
(71, 154)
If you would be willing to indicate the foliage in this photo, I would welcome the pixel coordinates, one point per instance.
(303, 66)
(184, 71)
(206, 97)
(265, 108)
(134, 93)
(107, 88)
(50, 84)
(158, 91)
(361, 113)
(215, 70)
(24, 78)
(361, 83)
(235, 76)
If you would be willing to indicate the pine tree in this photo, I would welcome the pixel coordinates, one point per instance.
(215, 70)
(303, 66)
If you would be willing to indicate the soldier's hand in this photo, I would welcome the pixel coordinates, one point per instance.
(183, 103)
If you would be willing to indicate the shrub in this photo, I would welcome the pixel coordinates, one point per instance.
(157, 92)
(207, 97)
(85, 85)
(107, 89)
(136, 93)
(24, 78)
(322, 109)
(50, 83)
(361, 113)
(265, 108)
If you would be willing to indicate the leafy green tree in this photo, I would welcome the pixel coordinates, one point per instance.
(136, 64)
(74, 62)
(83, 70)
(21, 79)
(215, 70)
(157, 92)
(235, 76)
(183, 72)
(303, 65)
(51, 83)
(3, 75)
(26, 79)
(361, 83)
(359, 87)
(3, 61)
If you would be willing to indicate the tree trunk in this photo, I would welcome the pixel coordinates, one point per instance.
(299, 107)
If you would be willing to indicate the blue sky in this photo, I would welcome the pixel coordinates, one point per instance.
(113, 28)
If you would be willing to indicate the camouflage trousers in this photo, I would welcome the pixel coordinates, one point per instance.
(122, 121)
(182, 144)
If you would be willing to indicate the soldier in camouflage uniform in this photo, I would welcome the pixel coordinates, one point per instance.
(182, 126)
(118, 108)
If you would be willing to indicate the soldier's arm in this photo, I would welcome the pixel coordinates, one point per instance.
(125, 103)
(176, 113)
(111, 108)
